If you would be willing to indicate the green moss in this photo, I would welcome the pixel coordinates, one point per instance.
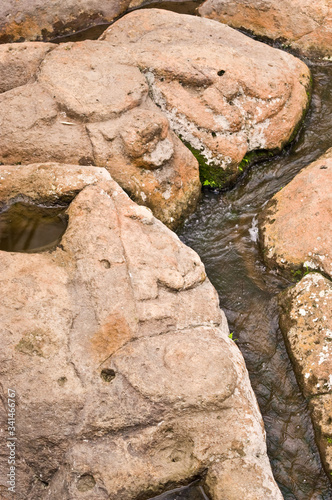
(212, 175)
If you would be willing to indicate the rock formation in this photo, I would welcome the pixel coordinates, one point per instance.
(79, 106)
(306, 322)
(224, 94)
(295, 233)
(91, 103)
(300, 24)
(295, 226)
(42, 20)
(126, 381)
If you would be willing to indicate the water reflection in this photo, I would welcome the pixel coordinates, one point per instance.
(30, 228)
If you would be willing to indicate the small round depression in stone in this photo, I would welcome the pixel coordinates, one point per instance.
(26, 227)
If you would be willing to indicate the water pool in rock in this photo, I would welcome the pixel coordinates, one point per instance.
(223, 232)
(193, 491)
(26, 227)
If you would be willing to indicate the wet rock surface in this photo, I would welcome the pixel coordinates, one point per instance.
(295, 227)
(224, 232)
(300, 24)
(296, 238)
(119, 102)
(306, 322)
(119, 354)
(223, 93)
(79, 106)
(19, 63)
(44, 20)
(39, 20)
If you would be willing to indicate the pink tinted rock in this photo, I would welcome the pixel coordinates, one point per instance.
(301, 24)
(119, 354)
(223, 93)
(295, 226)
(306, 323)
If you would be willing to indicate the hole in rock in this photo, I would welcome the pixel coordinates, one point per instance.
(26, 227)
(85, 483)
(193, 491)
(221, 72)
(105, 263)
(62, 381)
(107, 374)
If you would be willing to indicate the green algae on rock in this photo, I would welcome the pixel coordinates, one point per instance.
(295, 226)
(223, 93)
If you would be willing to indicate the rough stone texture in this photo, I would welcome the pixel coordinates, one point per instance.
(295, 227)
(19, 63)
(301, 24)
(222, 92)
(81, 106)
(306, 322)
(125, 377)
(40, 19)
(45, 20)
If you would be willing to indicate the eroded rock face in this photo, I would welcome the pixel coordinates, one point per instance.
(306, 322)
(295, 227)
(222, 92)
(301, 24)
(19, 63)
(125, 378)
(295, 234)
(78, 105)
(42, 20)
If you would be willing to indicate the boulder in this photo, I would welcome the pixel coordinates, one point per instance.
(19, 63)
(125, 378)
(295, 226)
(40, 20)
(306, 322)
(300, 24)
(47, 20)
(78, 105)
(223, 93)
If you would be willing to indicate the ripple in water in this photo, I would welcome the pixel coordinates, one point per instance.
(223, 232)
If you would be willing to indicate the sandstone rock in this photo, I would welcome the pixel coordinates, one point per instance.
(301, 24)
(125, 377)
(39, 20)
(85, 108)
(295, 227)
(19, 63)
(306, 322)
(223, 93)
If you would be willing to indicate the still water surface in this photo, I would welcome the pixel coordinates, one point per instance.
(25, 227)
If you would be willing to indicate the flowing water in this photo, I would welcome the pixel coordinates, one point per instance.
(223, 232)
(25, 227)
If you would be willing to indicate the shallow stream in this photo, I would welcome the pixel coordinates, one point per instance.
(223, 231)
(26, 227)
